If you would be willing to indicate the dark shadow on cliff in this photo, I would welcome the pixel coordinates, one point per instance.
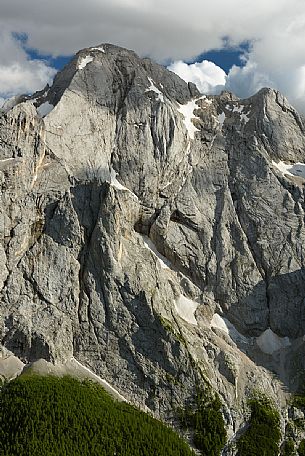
(117, 330)
(283, 311)
(117, 322)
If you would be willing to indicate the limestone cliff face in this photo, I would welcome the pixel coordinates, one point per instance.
(154, 234)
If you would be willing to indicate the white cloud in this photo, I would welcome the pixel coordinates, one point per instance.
(209, 78)
(160, 28)
(244, 81)
(24, 77)
(247, 80)
(284, 74)
(167, 29)
(18, 73)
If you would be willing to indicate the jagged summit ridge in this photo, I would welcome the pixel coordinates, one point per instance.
(153, 233)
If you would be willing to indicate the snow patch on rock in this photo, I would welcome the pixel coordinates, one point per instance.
(219, 322)
(225, 325)
(187, 111)
(186, 309)
(298, 169)
(153, 88)
(115, 183)
(206, 100)
(244, 118)
(269, 342)
(221, 118)
(83, 62)
(101, 49)
(44, 109)
(164, 263)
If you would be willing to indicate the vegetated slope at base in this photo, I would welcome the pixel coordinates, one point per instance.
(263, 435)
(207, 423)
(53, 416)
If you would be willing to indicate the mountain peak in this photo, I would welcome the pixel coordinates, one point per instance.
(154, 233)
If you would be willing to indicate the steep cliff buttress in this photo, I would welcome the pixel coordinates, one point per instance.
(154, 234)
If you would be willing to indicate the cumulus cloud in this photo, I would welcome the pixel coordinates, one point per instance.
(24, 77)
(159, 28)
(18, 73)
(208, 77)
(167, 29)
(288, 78)
(247, 80)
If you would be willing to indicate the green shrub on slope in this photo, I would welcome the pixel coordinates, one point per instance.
(301, 449)
(207, 423)
(288, 448)
(262, 437)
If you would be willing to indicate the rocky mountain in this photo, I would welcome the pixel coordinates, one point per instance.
(153, 235)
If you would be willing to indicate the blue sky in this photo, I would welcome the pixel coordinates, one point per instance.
(224, 58)
(57, 62)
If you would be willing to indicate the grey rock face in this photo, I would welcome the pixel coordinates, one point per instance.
(151, 233)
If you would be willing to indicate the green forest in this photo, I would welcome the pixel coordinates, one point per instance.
(50, 416)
